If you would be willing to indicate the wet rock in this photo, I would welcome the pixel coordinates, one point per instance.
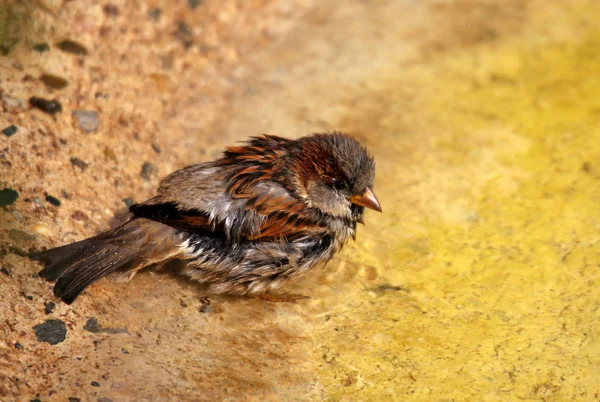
(75, 161)
(10, 130)
(8, 196)
(51, 331)
(53, 200)
(19, 236)
(148, 169)
(88, 120)
(47, 106)
(41, 47)
(111, 10)
(194, 3)
(54, 81)
(79, 216)
(128, 201)
(49, 307)
(70, 46)
(95, 384)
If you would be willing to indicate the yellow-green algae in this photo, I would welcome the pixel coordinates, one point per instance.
(503, 265)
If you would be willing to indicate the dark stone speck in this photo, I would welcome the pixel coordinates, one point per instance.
(54, 81)
(147, 170)
(29, 297)
(125, 351)
(104, 399)
(93, 326)
(111, 10)
(10, 130)
(70, 46)
(41, 47)
(53, 200)
(47, 106)
(5, 271)
(51, 331)
(156, 148)
(95, 384)
(18, 346)
(8, 196)
(194, 3)
(73, 399)
(75, 161)
(155, 13)
(49, 307)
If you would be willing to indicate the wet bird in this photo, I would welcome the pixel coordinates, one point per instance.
(263, 214)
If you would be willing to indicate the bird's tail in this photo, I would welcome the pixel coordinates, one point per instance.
(135, 244)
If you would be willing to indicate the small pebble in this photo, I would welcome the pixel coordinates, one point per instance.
(47, 106)
(156, 148)
(38, 201)
(73, 399)
(13, 103)
(8, 196)
(104, 399)
(53, 200)
(124, 351)
(111, 10)
(72, 47)
(5, 271)
(29, 297)
(17, 215)
(95, 384)
(88, 120)
(79, 163)
(35, 400)
(41, 47)
(51, 331)
(54, 81)
(49, 307)
(147, 170)
(194, 3)
(10, 130)
(18, 346)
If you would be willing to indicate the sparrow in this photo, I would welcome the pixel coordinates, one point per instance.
(265, 213)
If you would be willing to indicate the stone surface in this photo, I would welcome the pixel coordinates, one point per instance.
(478, 282)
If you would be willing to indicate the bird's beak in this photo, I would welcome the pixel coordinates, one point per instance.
(366, 199)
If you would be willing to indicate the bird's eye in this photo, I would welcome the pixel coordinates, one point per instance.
(338, 185)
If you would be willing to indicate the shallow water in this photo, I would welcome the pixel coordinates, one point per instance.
(478, 280)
